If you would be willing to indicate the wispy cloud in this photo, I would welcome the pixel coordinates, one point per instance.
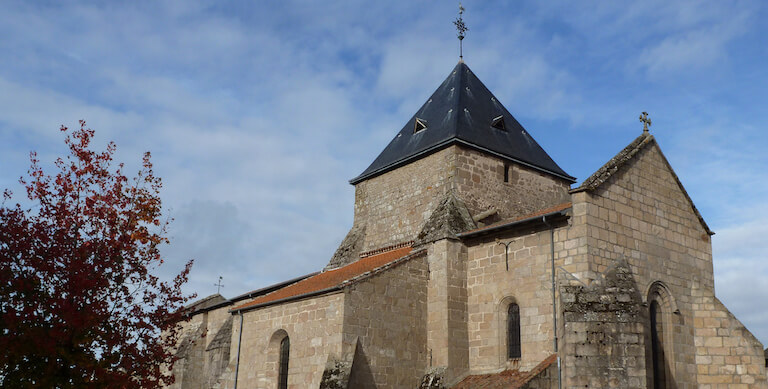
(258, 113)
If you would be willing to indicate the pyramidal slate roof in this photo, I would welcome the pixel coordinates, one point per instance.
(463, 111)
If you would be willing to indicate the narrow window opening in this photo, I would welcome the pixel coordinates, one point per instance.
(282, 378)
(506, 172)
(513, 332)
(657, 347)
(498, 123)
(419, 125)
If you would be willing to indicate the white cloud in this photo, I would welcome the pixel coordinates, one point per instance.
(257, 114)
(741, 272)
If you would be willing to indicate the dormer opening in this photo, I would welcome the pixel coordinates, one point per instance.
(419, 125)
(498, 123)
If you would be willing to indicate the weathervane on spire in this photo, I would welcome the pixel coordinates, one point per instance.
(646, 121)
(461, 28)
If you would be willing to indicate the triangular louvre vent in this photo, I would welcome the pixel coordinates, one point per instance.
(498, 123)
(420, 124)
(462, 111)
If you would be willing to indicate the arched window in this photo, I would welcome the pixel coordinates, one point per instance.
(282, 376)
(513, 332)
(662, 324)
(657, 346)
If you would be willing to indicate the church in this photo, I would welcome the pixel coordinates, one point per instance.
(475, 261)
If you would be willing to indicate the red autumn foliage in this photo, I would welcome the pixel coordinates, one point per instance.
(79, 305)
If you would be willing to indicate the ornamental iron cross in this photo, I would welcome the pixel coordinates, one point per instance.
(219, 285)
(461, 28)
(646, 121)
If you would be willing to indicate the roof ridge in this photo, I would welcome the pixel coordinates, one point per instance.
(625, 155)
(384, 249)
(384, 267)
(605, 172)
(334, 279)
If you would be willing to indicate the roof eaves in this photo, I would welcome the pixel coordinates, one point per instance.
(334, 288)
(685, 193)
(611, 167)
(383, 268)
(516, 223)
(403, 161)
(286, 299)
(252, 294)
(444, 144)
(270, 288)
(567, 177)
(614, 164)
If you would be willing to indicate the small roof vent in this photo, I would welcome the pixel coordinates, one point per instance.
(419, 125)
(498, 123)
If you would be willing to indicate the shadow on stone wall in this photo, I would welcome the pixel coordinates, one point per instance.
(361, 375)
(606, 327)
(343, 374)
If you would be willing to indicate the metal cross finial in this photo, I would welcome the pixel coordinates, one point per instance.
(461, 28)
(219, 285)
(646, 121)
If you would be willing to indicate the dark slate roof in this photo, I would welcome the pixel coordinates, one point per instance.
(461, 111)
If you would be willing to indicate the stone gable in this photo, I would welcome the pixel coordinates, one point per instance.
(468, 268)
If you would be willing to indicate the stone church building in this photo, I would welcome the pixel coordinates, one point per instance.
(475, 261)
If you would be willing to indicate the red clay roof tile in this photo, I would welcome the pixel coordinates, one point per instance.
(507, 379)
(330, 278)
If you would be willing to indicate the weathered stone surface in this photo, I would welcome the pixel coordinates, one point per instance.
(223, 337)
(604, 330)
(633, 239)
(336, 374)
(349, 249)
(433, 379)
(218, 352)
(448, 219)
(385, 326)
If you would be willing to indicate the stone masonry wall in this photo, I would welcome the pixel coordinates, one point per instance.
(491, 288)
(480, 184)
(641, 214)
(603, 343)
(215, 353)
(394, 205)
(314, 329)
(188, 371)
(385, 320)
(727, 354)
(447, 338)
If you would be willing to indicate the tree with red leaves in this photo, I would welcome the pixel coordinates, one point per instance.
(79, 305)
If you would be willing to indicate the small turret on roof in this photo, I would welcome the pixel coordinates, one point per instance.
(463, 111)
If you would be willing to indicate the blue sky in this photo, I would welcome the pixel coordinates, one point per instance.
(257, 113)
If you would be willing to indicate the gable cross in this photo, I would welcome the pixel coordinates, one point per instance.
(461, 28)
(219, 285)
(646, 121)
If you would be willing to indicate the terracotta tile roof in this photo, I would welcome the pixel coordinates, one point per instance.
(330, 278)
(541, 212)
(507, 379)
